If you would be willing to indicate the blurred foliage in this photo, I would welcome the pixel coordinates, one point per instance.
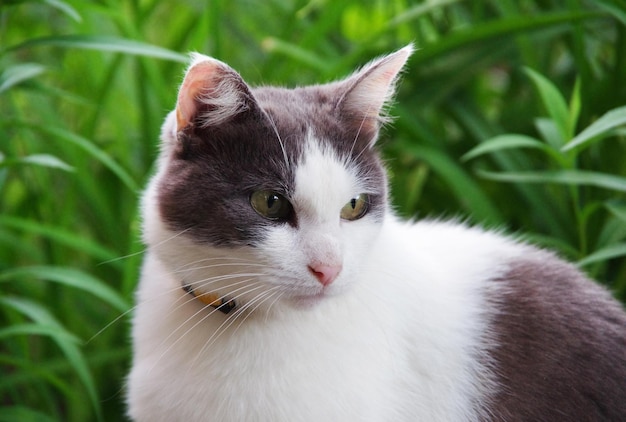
(510, 114)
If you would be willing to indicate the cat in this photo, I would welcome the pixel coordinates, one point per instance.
(278, 285)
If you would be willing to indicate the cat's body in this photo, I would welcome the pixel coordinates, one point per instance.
(272, 202)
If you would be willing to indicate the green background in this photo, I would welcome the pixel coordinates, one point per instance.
(510, 114)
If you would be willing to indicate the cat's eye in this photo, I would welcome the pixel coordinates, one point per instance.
(271, 205)
(356, 208)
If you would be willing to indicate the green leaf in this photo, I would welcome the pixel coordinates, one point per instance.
(70, 277)
(549, 131)
(84, 144)
(102, 43)
(615, 8)
(74, 357)
(554, 103)
(601, 127)
(465, 189)
(29, 329)
(416, 12)
(41, 160)
(618, 210)
(497, 30)
(504, 142)
(22, 414)
(604, 254)
(64, 8)
(575, 105)
(294, 52)
(46, 160)
(19, 73)
(62, 236)
(566, 177)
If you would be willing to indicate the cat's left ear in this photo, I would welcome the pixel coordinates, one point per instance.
(212, 93)
(369, 91)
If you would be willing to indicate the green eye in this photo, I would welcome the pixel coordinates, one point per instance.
(356, 208)
(271, 205)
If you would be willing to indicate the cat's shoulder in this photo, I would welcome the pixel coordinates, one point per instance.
(457, 240)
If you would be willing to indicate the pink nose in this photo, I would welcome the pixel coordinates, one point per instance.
(325, 274)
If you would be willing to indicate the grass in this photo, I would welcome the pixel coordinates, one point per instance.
(510, 114)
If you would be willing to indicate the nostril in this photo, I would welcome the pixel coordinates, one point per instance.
(325, 274)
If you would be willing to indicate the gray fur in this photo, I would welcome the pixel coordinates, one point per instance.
(561, 345)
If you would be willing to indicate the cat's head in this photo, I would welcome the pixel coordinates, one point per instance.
(268, 194)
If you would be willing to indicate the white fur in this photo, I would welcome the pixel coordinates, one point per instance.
(399, 335)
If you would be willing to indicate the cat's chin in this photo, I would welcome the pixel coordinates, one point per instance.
(308, 301)
(312, 300)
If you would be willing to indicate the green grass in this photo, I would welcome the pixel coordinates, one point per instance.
(510, 114)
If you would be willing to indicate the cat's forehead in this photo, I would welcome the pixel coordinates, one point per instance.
(323, 176)
(308, 117)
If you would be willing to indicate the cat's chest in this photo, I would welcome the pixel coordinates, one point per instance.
(301, 369)
(317, 364)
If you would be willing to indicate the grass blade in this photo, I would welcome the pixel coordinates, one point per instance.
(42, 160)
(609, 252)
(554, 103)
(64, 8)
(42, 317)
(77, 241)
(70, 277)
(619, 211)
(609, 121)
(19, 73)
(467, 192)
(29, 329)
(22, 414)
(87, 146)
(497, 30)
(565, 177)
(102, 43)
(504, 142)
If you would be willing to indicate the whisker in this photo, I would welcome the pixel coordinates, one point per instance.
(367, 111)
(144, 250)
(206, 267)
(222, 277)
(174, 289)
(204, 318)
(281, 293)
(265, 297)
(231, 320)
(223, 327)
(190, 298)
(223, 258)
(280, 141)
(107, 326)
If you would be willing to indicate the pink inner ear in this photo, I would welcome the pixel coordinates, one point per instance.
(373, 89)
(200, 78)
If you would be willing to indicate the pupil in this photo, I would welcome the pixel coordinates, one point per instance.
(271, 200)
(353, 203)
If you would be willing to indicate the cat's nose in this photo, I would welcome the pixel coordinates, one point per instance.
(325, 274)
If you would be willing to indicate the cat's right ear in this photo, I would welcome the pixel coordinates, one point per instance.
(369, 92)
(212, 93)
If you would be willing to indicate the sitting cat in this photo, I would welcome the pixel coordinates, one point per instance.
(279, 286)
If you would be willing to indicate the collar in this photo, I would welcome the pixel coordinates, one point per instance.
(222, 304)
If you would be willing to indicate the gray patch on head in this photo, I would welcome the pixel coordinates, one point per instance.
(213, 170)
(560, 349)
